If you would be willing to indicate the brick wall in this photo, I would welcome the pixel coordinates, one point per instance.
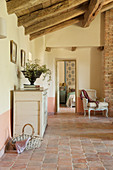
(108, 60)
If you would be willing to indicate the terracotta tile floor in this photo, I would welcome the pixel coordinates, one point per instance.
(70, 143)
(67, 110)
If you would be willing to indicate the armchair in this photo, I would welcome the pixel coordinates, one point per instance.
(89, 106)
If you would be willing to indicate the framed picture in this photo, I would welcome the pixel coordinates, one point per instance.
(13, 51)
(23, 58)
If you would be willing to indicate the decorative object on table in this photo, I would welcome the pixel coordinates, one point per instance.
(13, 51)
(3, 32)
(31, 87)
(32, 71)
(32, 141)
(23, 54)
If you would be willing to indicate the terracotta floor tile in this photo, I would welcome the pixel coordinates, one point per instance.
(34, 168)
(64, 168)
(19, 166)
(35, 163)
(4, 168)
(7, 164)
(92, 164)
(97, 168)
(80, 166)
(71, 142)
(79, 160)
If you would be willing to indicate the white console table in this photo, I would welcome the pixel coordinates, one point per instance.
(30, 106)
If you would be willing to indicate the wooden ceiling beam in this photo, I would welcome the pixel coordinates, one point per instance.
(107, 7)
(107, 2)
(55, 20)
(93, 9)
(19, 5)
(28, 10)
(36, 16)
(56, 27)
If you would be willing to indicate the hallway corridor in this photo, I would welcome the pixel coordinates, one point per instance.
(70, 143)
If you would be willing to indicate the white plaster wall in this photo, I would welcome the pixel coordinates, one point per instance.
(8, 70)
(76, 36)
(61, 72)
(82, 57)
(38, 52)
(88, 67)
(62, 41)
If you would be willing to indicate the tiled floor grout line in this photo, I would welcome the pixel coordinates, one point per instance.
(108, 151)
(71, 153)
(84, 155)
(58, 153)
(98, 155)
(15, 161)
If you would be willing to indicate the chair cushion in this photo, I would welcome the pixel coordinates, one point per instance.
(100, 105)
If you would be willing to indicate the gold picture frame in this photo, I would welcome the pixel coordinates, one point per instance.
(23, 55)
(13, 51)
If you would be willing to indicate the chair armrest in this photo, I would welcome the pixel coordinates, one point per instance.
(101, 99)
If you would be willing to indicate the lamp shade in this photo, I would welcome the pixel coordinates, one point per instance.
(3, 33)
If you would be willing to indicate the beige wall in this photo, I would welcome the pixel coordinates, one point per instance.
(8, 70)
(70, 36)
(76, 36)
(61, 72)
(88, 62)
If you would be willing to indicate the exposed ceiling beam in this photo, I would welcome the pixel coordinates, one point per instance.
(107, 7)
(28, 10)
(94, 8)
(36, 16)
(55, 20)
(18, 5)
(107, 2)
(55, 28)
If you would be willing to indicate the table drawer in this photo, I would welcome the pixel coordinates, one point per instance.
(28, 96)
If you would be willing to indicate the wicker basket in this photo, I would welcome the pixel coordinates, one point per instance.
(34, 142)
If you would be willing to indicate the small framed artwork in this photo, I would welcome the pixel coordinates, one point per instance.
(13, 51)
(23, 55)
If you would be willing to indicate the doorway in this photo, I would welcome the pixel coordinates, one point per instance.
(66, 86)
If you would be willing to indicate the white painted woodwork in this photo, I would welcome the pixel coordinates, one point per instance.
(30, 107)
(58, 104)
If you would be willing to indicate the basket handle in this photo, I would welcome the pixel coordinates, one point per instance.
(28, 124)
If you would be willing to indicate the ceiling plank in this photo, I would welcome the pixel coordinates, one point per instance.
(36, 16)
(107, 2)
(107, 7)
(55, 28)
(28, 10)
(46, 4)
(94, 8)
(55, 20)
(19, 5)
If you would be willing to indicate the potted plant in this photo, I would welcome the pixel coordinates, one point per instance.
(32, 71)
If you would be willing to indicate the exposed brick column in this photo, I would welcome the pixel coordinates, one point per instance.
(108, 60)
